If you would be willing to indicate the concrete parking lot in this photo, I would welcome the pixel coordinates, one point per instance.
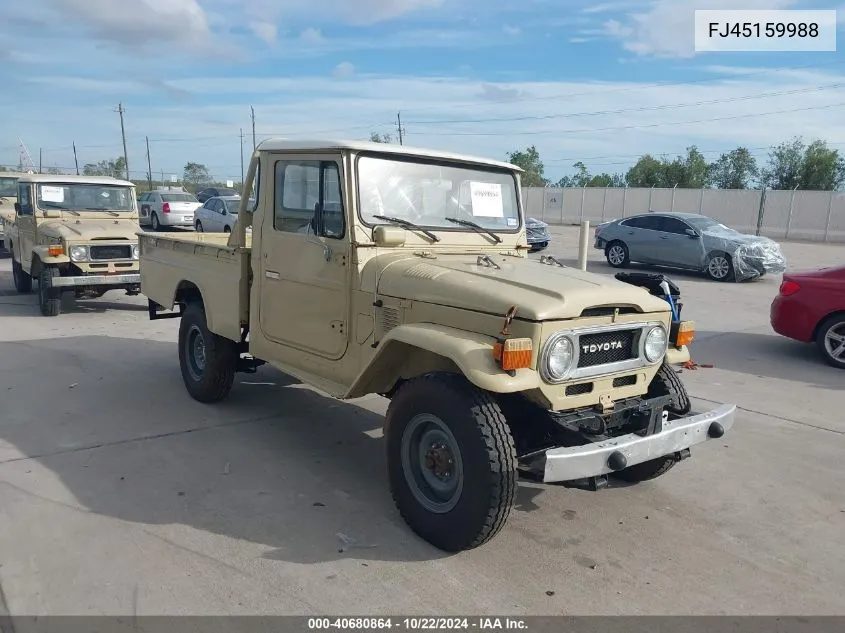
(121, 495)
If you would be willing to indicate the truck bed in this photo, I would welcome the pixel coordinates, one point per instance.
(173, 264)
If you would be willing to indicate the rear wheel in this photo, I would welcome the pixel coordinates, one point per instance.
(227, 229)
(23, 282)
(617, 254)
(831, 340)
(155, 223)
(49, 297)
(207, 361)
(199, 226)
(451, 461)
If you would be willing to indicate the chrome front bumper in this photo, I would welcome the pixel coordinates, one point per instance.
(593, 460)
(98, 280)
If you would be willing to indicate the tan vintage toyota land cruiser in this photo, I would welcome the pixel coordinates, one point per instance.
(74, 233)
(368, 268)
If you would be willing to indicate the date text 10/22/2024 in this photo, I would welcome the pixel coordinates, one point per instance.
(765, 30)
(417, 624)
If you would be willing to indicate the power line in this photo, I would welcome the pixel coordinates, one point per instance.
(671, 106)
(631, 127)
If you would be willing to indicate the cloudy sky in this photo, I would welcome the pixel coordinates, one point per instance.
(598, 81)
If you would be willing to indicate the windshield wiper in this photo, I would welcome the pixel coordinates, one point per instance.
(52, 205)
(409, 225)
(477, 227)
(117, 215)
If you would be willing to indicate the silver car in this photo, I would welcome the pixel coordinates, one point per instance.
(689, 241)
(537, 233)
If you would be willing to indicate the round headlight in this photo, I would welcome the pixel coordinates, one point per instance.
(557, 358)
(79, 253)
(655, 344)
(136, 251)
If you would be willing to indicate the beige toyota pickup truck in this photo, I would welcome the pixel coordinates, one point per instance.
(368, 268)
(73, 233)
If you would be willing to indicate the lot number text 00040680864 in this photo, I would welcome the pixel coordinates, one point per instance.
(765, 30)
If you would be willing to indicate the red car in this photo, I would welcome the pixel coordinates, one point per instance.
(810, 307)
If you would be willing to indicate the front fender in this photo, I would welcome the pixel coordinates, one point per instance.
(42, 253)
(418, 348)
(675, 356)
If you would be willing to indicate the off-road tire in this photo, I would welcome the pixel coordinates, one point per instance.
(731, 274)
(487, 454)
(154, 223)
(626, 260)
(667, 383)
(23, 282)
(830, 322)
(217, 375)
(199, 227)
(49, 298)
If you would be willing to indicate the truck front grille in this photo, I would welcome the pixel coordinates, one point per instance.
(603, 348)
(111, 251)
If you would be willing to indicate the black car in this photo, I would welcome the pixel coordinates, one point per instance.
(215, 192)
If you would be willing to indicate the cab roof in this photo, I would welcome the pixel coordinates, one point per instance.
(70, 179)
(285, 144)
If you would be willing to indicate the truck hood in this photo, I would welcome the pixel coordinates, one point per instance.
(83, 230)
(540, 291)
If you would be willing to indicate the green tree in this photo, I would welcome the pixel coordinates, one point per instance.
(690, 171)
(375, 137)
(823, 168)
(607, 180)
(647, 172)
(195, 174)
(115, 167)
(531, 164)
(785, 164)
(734, 170)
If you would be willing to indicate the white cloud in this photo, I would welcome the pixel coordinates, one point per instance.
(311, 36)
(608, 123)
(265, 30)
(507, 29)
(608, 7)
(667, 28)
(344, 69)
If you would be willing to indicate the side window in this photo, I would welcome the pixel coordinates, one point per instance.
(635, 223)
(644, 222)
(673, 225)
(25, 199)
(308, 198)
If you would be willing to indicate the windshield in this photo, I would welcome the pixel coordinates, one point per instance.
(8, 187)
(706, 224)
(429, 193)
(178, 197)
(232, 206)
(85, 197)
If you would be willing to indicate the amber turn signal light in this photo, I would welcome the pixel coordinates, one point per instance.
(55, 251)
(685, 334)
(513, 353)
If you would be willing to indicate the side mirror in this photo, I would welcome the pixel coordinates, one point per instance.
(692, 234)
(389, 235)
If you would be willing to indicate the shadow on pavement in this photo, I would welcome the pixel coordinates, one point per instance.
(276, 464)
(766, 356)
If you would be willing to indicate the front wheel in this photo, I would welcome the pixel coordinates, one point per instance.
(49, 297)
(207, 361)
(720, 267)
(831, 340)
(451, 461)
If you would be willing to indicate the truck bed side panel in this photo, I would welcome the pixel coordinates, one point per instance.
(170, 263)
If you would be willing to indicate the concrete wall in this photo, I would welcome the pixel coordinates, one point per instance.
(799, 215)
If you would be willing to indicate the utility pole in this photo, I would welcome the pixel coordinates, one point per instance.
(252, 110)
(242, 158)
(149, 164)
(120, 111)
(400, 128)
(39, 159)
(162, 178)
(75, 159)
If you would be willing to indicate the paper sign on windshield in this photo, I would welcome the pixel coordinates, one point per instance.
(52, 194)
(487, 199)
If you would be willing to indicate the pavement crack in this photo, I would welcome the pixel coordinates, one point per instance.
(776, 417)
(132, 440)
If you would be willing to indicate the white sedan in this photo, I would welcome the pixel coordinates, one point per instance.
(218, 214)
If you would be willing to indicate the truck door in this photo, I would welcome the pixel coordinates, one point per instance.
(304, 258)
(25, 221)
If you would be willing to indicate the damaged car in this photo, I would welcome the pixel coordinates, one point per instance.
(689, 241)
(537, 233)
